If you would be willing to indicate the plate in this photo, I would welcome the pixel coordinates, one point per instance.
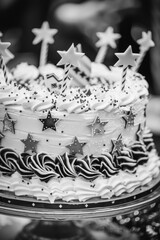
(94, 208)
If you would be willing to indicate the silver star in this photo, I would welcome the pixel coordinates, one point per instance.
(129, 118)
(8, 123)
(97, 127)
(76, 147)
(117, 145)
(30, 144)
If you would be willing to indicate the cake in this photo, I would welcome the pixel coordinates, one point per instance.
(92, 144)
(77, 135)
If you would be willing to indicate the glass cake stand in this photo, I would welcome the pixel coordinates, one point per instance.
(63, 220)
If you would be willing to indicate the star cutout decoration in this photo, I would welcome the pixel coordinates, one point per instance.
(49, 122)
(97, 127)
(1, 136)
(70, 57)
(146, 41)
(30, 144)
(8, 123)
(45, 33)
(117, 145)
(128, 58)
(107, 38)
(76, 147)
(129, 118)
(3, 49)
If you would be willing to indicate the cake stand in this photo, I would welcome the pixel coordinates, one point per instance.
(62, 215)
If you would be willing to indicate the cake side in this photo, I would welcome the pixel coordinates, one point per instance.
(93, 143)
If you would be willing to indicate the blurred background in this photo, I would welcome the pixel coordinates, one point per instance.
(77, 22)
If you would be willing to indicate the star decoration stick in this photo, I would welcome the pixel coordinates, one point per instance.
(76, 147)
(97, 127)
(107, 38)
(68, 58)
(29, 144)
(49, 122)
(9, 54)
(129, 118)
(145, 43)
(45, 35)
(126, 59)
(117, 145)
(8, 124)
(4, 54)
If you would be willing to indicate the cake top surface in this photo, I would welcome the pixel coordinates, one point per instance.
(27, 90)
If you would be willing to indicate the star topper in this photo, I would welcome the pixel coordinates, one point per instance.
(49, 122)
(71, 56)
(76, 147)
(117, 145)
(97, 127)
(29, 144)
(8, 123)
(107, 38)
(128, 58)
(45, 33)
(146, 41)
(3, 49)
(129, 118)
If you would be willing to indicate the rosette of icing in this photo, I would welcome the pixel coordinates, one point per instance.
(8, 160)
(148, 139)
(23, 73)
(43, 166)
(125, 160)
(139, 153)
(65, 165)
(85, 169)
(23, 166)
(105, 164)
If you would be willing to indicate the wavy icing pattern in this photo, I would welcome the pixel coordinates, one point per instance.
(88, 167)
(148, 139)
(69, 189)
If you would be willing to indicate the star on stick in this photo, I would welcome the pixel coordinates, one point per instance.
(145, 43)
(107, 38)
(129, 118)
(45, 35)
(127, 58)
(76, 147)
(30, 144)
(71, 56)
(97, 127)
(117, 145)
(8, 123)
(68, 58)
(9, 55)
(49, 122)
